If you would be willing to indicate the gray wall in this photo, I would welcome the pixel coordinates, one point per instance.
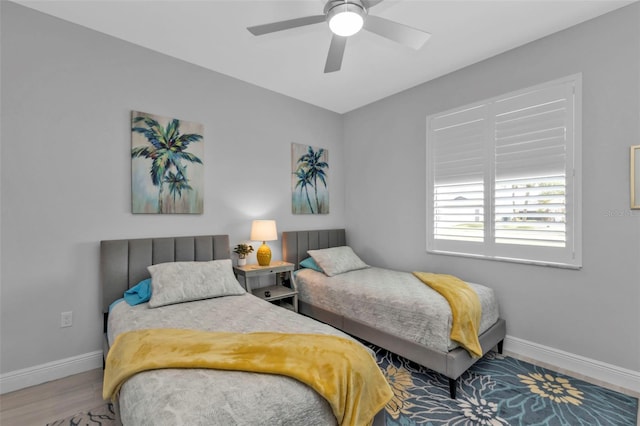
(593, 312)
(67, 94)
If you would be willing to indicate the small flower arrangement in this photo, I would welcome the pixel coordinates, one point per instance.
(242, 250)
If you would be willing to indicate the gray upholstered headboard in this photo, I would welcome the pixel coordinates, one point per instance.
(296, 243)
(123, 263)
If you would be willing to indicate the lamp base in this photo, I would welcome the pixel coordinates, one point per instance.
(264, 254)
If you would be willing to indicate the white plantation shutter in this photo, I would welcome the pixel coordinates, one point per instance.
(459, 174)
(503, 177)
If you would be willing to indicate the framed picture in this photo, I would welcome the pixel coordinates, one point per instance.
(309, 179)
(635, 177)
(167, 172)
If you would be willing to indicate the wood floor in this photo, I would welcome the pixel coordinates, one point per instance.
(39, 405)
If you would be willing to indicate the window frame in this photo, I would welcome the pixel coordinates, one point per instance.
(569, 256)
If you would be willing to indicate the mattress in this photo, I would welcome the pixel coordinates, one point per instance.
(391, 301)
(213, 397)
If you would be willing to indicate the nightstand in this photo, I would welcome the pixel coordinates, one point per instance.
(284, 274)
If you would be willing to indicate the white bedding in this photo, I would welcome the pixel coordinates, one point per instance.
(211, 397)
(392, 301)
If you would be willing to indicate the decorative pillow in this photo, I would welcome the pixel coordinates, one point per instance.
(177, 282)
(311, 264)
(139, 293)
(337, 260)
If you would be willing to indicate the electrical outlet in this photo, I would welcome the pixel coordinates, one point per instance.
(66, 319)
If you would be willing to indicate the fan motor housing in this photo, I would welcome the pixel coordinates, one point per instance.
(333, 3)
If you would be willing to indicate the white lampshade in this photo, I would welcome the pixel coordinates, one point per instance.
(264, 230)
(346, 19)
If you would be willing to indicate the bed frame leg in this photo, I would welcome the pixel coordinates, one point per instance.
(500, 346)
(452, 388)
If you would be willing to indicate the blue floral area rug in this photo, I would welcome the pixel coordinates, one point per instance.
(103, 415)
(499, 390)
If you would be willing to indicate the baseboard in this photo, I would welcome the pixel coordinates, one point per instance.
(597, 370)
(20, 379)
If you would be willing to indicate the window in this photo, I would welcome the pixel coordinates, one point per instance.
(503, 177)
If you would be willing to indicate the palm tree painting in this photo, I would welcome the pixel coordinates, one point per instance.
(167, 173)
(309, 184)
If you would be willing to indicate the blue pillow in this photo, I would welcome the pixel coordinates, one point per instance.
(139, 293)
(311, 264)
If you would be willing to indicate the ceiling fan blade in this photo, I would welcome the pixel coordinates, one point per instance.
(336, 52)
(370, 3)
(397, 32)
(285, 25)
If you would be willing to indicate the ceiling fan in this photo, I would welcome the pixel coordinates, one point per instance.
(346, 18)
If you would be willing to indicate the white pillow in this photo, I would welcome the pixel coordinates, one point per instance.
(176, 282)
(337, 260)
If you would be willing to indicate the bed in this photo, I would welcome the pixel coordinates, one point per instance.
(169, 396)
(350, 307)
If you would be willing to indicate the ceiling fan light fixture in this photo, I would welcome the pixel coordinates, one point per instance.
(346, 19)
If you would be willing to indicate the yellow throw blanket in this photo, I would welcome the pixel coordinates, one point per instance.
(340, 370)
(465, 308)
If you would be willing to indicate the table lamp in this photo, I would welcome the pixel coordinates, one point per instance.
(264, 230)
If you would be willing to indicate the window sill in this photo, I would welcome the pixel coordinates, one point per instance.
(508, 259)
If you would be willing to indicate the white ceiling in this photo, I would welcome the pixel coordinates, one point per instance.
(212, 34)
